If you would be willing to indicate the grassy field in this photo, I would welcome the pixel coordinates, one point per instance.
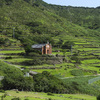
(14, 51)
(45, 96)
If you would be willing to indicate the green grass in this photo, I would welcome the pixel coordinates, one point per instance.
(44, 96)
(90, 67)
(16, 51)
(60, 53)
(81, 43)
(89, 49)
(65, 70)
(11, 56)
(90, 61)
(18, 60)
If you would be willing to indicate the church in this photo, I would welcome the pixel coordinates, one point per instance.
(44, 48)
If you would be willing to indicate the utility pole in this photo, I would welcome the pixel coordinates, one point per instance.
(13, 32)
(71, 50)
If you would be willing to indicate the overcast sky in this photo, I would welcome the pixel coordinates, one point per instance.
(78, 3)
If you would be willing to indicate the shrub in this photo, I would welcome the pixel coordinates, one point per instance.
(2, 91)
(77, 72)
(16, 98)
(48, 83)
(76, 58)
(98, 97)
(8, 57)
(49, 93)
(17, 91)
(26, 99)
(68, 45)
(50, 99)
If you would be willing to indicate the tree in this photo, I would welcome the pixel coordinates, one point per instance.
(46, 82)
(18, 82)
(98, 97)
(3, 41)
(14, 78)
(27, 43)
(67, 45)
(98, 7)
(76, 58)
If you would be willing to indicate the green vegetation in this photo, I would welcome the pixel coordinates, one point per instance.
(75, 42)
(80, 85)
(14, 78)
(83, 16)
(42, 96)
(98, 97)
(43, 82)
(37, 22)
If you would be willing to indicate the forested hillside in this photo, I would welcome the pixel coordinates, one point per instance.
(82, 16)
(30, 20)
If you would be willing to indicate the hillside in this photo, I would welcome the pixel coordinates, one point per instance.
(82, 16)
(75, 38)
(29, 19)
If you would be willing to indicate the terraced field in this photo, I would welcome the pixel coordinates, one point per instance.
(88, 52)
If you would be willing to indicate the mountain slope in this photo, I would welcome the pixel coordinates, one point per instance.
(35, 18)
(83, 16)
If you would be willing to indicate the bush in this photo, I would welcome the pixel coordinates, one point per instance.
(34, 54)
(98, 97)
(2, 91)
(35, 61)
(16, 98)
(76, 58)
(8, 57)
(26, 99)
(50, 99)
(48, 83)
(49, 93)
(68, 45)
(77, 72)
(17, 91)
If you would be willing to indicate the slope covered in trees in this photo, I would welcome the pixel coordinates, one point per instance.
(30, 20)
(82, 16)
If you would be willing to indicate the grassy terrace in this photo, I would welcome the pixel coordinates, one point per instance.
(85, 48)
(18, 60)
(91, 61)
(45, 96)
(14, 51)
(11, 56)
(89, 49)
(57, 72)
(91, 67)
(64, 70)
